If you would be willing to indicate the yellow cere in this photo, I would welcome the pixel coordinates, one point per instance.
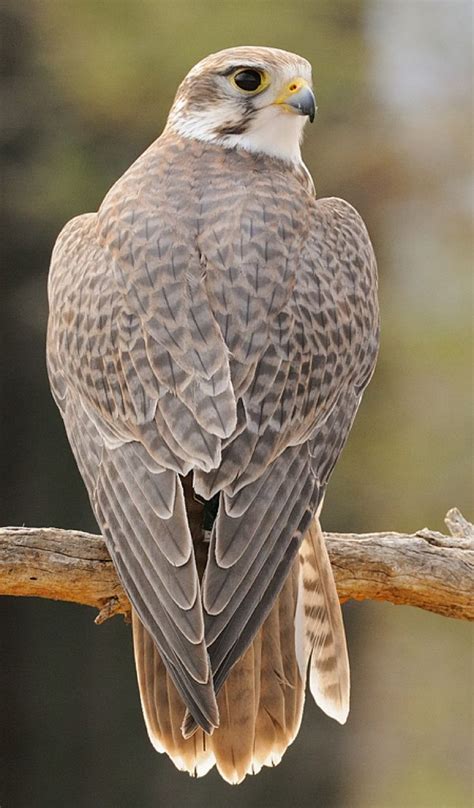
(294, 86)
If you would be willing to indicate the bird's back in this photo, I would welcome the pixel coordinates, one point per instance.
(212, 329)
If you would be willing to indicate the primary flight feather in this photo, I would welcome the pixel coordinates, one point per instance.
(212, 329)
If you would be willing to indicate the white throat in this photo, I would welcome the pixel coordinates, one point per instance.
(272, 131)
(275, 132)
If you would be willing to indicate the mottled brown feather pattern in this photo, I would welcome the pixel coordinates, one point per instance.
(212, 328)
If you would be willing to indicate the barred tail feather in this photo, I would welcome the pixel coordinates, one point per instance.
(320, 636)
(260, 704)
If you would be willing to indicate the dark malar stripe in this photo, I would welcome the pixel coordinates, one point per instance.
(236, 127)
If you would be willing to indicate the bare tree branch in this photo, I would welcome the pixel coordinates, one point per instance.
(425, 569)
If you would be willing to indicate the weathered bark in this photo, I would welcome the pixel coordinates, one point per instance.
(425, 569)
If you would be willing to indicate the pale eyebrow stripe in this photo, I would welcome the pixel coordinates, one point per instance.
(231, 69)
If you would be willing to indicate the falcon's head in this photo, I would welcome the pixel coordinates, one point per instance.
(255, 98)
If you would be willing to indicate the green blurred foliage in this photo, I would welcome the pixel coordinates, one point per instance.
(87, 86)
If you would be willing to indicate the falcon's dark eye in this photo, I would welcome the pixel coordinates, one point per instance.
(248, 80)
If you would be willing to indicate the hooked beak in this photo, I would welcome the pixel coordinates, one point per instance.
(298, 97)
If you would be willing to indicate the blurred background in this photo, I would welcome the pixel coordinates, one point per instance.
(86, 87)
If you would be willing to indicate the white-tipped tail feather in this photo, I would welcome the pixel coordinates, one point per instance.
(320, 636)
(261, 702)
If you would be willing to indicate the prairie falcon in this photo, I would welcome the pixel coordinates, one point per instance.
(212, 329)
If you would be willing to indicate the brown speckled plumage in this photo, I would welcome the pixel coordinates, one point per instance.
(214, 319)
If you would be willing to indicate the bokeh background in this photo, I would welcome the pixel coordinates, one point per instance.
(86, 87)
